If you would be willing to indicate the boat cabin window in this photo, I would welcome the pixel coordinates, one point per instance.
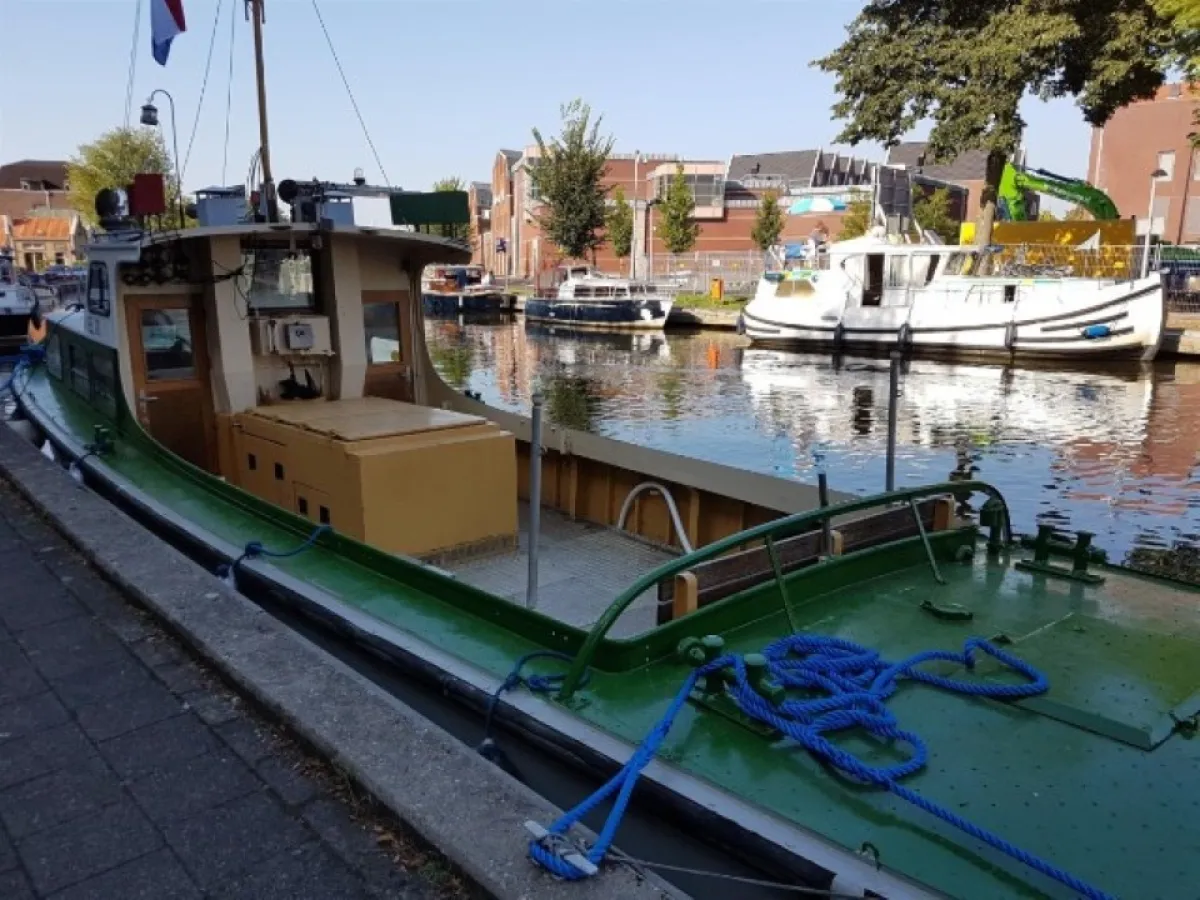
(104, 381)
(78, 371)
(54, 356)
(279, 278)
(167, 343)
(924, 267)
(873, 282)
(381, 325)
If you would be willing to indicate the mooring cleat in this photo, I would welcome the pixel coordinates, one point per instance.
(565, 852)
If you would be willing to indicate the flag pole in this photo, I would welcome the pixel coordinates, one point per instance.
(254, 9)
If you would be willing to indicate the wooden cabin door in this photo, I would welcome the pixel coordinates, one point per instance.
(172, 394)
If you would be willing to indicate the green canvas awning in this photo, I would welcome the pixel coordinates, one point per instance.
(430, 208)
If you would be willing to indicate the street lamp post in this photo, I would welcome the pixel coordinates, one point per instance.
(633, 251)
(1154, 176)
(150, 117)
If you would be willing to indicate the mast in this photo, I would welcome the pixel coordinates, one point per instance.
(255, 10)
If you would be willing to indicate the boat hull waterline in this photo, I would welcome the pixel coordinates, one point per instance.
(644, 315)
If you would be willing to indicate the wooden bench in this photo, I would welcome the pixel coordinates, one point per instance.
(727, 575)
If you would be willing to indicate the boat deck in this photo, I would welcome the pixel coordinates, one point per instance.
(581, 569)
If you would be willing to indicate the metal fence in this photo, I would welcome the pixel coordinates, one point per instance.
(692, 273)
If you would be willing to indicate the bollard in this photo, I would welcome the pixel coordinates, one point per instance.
(535, 498)
(893, 403)
(823, 500)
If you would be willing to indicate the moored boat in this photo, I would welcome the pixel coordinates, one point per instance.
(463, 289)
(677, 591)
(19, 303)
(585, 299)
(922, 298)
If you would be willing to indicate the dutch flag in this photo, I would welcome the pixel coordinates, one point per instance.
(166, 23)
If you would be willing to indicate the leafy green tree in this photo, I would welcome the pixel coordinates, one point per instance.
(965, 65)
(566, 176)
(460, 231)
(932, 212)
(676, 225)
(768, 223)
(860, 213)
(111, 161)
(1046, 216)
(620, 225)
(1078, 214)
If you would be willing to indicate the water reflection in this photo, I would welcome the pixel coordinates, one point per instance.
(1111, 452)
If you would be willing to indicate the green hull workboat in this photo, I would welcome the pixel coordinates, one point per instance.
(884, 697)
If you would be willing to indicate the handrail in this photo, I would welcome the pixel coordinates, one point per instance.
(769, 530)
(671, 508)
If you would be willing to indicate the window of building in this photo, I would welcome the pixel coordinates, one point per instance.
(381, 326)
(1162, 209)
(60, 258)
(278, 278)
(1166, 163)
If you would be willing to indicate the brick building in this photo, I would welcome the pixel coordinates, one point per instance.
(54, 237)
(814, 187)
(31, 186)
(1145, 137)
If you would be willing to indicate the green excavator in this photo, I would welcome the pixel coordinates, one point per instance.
(1016, 180)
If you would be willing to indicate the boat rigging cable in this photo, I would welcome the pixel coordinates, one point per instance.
(229, 89)
(855, 682)
(137, 27)
(350, 93)
(212, 43)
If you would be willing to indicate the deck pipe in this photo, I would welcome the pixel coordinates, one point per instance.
(893, 403)
(535, 498)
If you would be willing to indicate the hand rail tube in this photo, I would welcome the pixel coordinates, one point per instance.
(671, 508)
(779, 528)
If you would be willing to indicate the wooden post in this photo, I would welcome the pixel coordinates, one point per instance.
(943, 514)
(687, 595)
(837, 543)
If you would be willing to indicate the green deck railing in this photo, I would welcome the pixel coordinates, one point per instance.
(769, 533)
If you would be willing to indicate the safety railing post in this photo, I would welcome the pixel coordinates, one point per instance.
(535, 498)
(893, 404)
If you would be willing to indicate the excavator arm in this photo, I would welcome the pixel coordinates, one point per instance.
(1016, 180)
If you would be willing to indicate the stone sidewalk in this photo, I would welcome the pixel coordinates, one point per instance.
(127, 772)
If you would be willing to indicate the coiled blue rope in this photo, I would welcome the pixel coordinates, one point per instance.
(255, 549)
(856, 683)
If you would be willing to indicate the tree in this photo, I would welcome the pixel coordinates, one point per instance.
(1078, 214)
(676, 226)
(860, 213)
(933, 213)
(1046, 216)
(566, 178)
(460, 231)
(966, 65)
(111, 161)
(1184, 19)
(620, 225)
(768, 223)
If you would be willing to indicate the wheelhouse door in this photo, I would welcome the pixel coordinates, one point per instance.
(172, 393)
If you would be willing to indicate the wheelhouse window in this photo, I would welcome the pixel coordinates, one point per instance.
(54, 363)
(167, 344)
(381, 325)
(278, 278)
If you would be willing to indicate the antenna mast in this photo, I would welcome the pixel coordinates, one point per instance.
(256, 13)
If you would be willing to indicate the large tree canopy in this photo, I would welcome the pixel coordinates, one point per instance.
(567, 177)
(965, 66)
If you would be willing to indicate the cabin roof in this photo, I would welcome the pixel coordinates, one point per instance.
(446, 250)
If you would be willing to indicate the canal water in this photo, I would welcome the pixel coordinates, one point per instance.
(1112, 452)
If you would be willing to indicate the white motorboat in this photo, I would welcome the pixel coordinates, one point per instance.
(17, 303)
(926, 298)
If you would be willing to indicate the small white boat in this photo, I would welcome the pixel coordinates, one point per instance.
(17, 303)
(591, 300)
(924, 298)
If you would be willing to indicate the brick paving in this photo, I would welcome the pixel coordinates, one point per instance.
(127, 772)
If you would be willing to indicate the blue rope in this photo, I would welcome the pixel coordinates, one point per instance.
(255, 549)
(538, 684)
(853, 683)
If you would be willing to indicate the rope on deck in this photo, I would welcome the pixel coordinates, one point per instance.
(255, 549)
(854, 683)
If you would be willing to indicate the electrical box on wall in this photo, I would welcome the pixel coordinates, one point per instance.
(291, 336)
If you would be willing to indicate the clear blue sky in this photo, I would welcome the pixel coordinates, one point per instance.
(443, 84)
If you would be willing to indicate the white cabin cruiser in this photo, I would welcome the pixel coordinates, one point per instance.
(588, 299)
(18, 303)
(926, 298)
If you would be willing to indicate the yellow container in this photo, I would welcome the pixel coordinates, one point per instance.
(716, 288)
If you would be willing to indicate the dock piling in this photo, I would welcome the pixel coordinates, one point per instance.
(893, 403)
